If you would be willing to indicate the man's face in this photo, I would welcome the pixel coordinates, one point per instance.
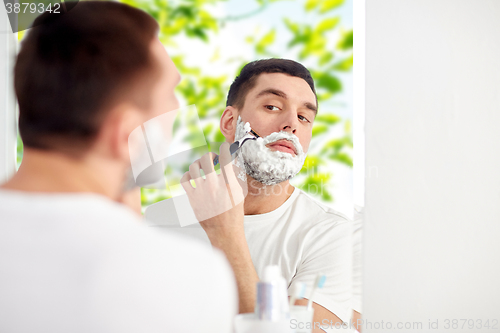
(280, 102)
(162, 101)
(163, 98)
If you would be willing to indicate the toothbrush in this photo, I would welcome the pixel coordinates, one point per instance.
(298, 292)
(318, 284)
(250, 135)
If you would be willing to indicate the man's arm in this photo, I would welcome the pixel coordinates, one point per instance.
(322, 316)
(234, 245)
(217, 202)
(356, 320)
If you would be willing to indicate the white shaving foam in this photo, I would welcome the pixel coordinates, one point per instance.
(269, 167)
(241, 131)
(247, 127)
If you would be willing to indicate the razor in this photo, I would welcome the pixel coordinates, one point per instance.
(235, 146)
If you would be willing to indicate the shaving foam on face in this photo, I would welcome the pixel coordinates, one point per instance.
(247, 127)
(241, 131)
(267, 166)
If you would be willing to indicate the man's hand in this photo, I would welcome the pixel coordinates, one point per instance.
(217, 202)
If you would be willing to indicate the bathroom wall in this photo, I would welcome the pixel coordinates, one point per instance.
(431, 249)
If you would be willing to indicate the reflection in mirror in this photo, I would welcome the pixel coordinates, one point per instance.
(298, 218)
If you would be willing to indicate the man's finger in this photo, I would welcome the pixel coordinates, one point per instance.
(207, 165)
(185, 182)
(194, 172)
(226, 164)
(224, 155)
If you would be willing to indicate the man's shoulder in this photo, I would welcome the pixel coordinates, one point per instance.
(94, 246)
(317, 211)
(309, 216)
(88, 219)
(98, 230)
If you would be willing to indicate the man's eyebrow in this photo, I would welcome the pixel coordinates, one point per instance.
(273, 92)
(282, 94)
(311, 107)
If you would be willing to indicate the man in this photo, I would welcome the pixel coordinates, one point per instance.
(71, 258)
(276, 223)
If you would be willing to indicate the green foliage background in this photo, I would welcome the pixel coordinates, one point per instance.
(325, 47)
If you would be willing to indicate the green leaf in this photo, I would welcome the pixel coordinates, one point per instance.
(305, 53)
(344, 65)
(311, 162)
(293, 27)
(346, 41)
(328, 5)
(318, 129)
(326, 196)
(347, 126)
(335, 145)
(267, 40)
(303, 37)
(20, 150)
(197, 32)
(298, 39)
(342, 158)
(327, 24)
(348, 141)
(312, 186)
(330, 119)
(321, 177)
(195, 139)
(219, 137)
(184, 11)
(324, 96)
(207, 130)
(325, 58)
(311, 4)
(329, 82)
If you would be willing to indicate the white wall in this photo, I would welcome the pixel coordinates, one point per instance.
(8, 128)
(359, 103)
(432, 249)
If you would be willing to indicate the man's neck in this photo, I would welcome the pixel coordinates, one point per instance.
(263, 199)
(53, 172)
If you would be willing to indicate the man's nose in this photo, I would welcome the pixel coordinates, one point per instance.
(290, 122)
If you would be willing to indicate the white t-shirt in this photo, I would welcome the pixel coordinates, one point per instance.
(82, 263)
(303, 236)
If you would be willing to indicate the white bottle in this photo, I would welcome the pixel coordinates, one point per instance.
(272, 300)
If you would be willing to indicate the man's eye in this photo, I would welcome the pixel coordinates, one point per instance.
(303, 118)
(272, 107)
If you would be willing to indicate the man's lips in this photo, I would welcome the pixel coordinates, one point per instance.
(283, 145)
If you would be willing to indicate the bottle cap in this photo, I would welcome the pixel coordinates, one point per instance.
(272, 273)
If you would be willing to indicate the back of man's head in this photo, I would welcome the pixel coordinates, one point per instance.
(73, 67)
(247, 78)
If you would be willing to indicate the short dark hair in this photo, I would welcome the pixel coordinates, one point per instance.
(74, 66)
(249, 73)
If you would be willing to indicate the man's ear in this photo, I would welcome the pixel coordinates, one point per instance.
(228, 123)
(116, 129)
